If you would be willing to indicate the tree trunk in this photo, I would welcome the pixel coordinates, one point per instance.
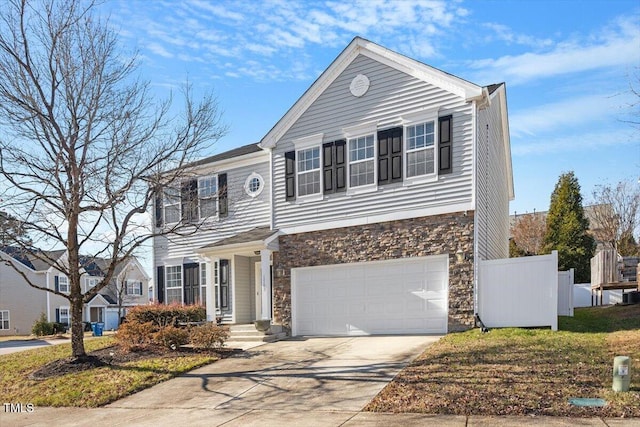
(77, 329)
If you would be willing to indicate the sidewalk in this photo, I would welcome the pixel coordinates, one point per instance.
(263, 418)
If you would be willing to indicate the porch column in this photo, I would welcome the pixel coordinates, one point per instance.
(211, 293)
(265, 267)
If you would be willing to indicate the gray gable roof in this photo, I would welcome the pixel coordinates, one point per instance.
(236, 152)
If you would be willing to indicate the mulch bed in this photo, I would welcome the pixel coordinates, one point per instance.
(115, 356)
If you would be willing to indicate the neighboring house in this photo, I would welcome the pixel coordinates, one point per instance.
(363, 210)
(22, 304)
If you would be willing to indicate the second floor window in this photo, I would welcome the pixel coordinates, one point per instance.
(92, 282)
(171, 204)
(208, 196)
(420, 149)
(134, 287)
(361, 161)
(309, 171)
(63, 284)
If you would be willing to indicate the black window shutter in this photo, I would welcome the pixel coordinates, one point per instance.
(223, 202)
(390, 155)
(189, 200)
(57, 315)
(160, 283)
(158, 208)
(340, 165)
(444, 145)
(140, 288)
(56, 281)
(328, 163)
(290, 174)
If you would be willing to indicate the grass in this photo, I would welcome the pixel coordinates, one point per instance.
(524, 371)
(90, 388)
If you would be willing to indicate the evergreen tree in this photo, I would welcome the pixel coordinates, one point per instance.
(567, 228)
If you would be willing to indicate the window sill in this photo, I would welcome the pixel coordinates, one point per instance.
(310, 198)
(354, 191)
(417, 180)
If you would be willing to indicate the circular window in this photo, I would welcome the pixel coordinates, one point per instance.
(254, 185)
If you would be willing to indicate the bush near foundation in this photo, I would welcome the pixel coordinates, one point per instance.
(163, 315)
(208, 336)
(169, 327)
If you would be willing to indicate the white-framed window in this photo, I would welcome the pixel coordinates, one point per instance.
(171, 205)
(4, 320)
(421, 138)
(362, 161)
(254, 185)
(91, 282)
(308, 171)
(64, 316)
(173, 276)
(134, 287)
(208, 196)
(63, 284)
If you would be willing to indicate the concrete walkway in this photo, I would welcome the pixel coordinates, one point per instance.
(310, 382)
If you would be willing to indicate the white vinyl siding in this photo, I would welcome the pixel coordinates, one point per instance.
(492, 182)
(4, 320)
(243, 289)
(392, 97)
(245, 213)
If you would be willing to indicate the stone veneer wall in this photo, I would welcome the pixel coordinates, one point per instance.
(433, 235)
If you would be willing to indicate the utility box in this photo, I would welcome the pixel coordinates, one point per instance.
(621, 373)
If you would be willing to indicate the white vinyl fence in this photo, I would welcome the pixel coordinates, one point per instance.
(519, 292)
(565, 293)
(582, 295)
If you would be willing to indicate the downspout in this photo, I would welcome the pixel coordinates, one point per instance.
(474, 125)
(271, 187)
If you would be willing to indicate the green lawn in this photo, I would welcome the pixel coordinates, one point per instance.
(524, 371)
(90, 388)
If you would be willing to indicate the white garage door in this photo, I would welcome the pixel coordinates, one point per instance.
(380, 297)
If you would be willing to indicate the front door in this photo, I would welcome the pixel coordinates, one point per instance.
(258, 291)
(191, 283)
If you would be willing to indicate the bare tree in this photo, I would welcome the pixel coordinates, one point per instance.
(528, 232)
(616, 213)
(82, 142)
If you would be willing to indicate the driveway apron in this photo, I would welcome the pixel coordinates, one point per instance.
(306, 374)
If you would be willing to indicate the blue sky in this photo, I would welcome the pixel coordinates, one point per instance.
(568, 66)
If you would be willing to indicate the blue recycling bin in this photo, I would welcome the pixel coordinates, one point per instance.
(97, 329)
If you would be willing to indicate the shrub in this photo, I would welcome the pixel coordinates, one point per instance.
(208, 336)
(41, 327)
(135, 336)
(162, 315)
(171, 337)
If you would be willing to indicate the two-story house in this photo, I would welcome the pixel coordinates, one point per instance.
(362, 211)
(21, 305)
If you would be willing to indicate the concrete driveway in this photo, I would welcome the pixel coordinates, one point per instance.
(310, 381)
(321, 374)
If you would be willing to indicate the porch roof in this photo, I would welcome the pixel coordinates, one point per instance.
(259, 236)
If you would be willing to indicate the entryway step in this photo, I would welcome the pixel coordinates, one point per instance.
(248, 332)
(261, 338)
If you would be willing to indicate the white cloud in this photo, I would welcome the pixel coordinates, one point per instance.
(160, 50)
(578, 142)
(565, 114)
(615, 46)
